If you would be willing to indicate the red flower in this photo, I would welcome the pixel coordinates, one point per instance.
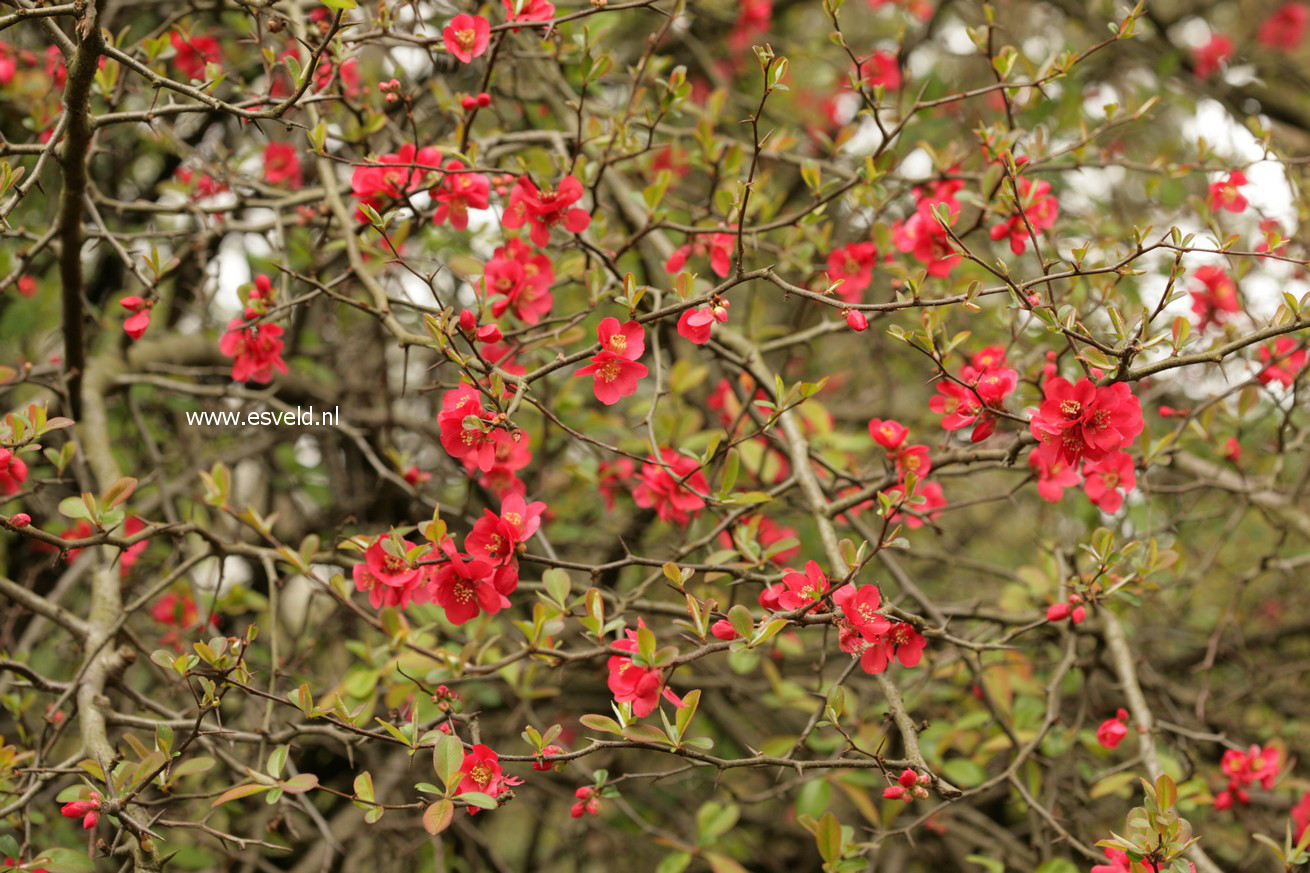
(695, 324)
(853, 266)
(466, 588)
(920, 9)
(256, 350)
(1118, 862)
(1085, 420)
(803, 589)
(548, 752)
(913, 459)
(860, 606)
(1301, 815)
(544, 208)
(1254, 765)
(882, 68)
(1113, 730)
(282, 165)
(640, 686)
(888, 433)
(1282, 360)
(1233, 450)
(1106, 478)
(588, 802)
(1068, 609)
(675, 500)
(1219, 296)
(192, 55)
(466, 36)
(458, 193)
(856, 320)
(1226, 194)
(1211, 57)
(718, 246)
(495, 537)
(723, 629)
(1285, 26)
(27, 286)
(13, 472)
(528, 10)
(754, 18)
(921, 235)
(521, 281)
(1053, 477)
(482, 774)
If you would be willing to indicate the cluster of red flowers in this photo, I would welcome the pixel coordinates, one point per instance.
(1037, 204)
(282, 165)
(617, 368)
(1281, 361)
(909, 785)
(983, 385)
(477, 437)
(588, 802)
(463, 584)
(180, 614)
(544, 208)
(87, 810)
(395, 175)
(191, 55)
(866, 632)
(520, 280)
(1244, 769)
(916, 460)
(922, 235)
(640, 686)
(1071, 608)
(1086, 424)
(255, 348)
(136, 324)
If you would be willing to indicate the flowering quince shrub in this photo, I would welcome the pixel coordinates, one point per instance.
(765, 436)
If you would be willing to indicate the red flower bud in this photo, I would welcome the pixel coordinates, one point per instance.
(469, 104)
(489, 333)
(1058, 612)
(484, 99)
(468, 321)
(723, 629)
(20, 519)
(856, 320)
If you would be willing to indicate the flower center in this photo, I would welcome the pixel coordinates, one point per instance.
(466, 38)
(480, 774)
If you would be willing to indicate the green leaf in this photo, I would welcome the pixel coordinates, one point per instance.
(277, 761)
(239, 791)
(74, 507)
(447, 758)
(689, 703)
(300, 783)
(675, 863)
(601, 723)
(828, 836)
(963, 772)
(437, 817)
(478, 799)
(64, 861)
(992, 865)
(713, 820)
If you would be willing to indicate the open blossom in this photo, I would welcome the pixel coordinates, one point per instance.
(88, 810)
(495, 537)
(1085, 420)
(888, 433)
(191, 55)
(913, 459)
(640, 686)
(282, 165)
(544, 208)
(394, 175)
(1108, 480)
(612, 478)
(719, 247)
(674, 495)
(615, 369)
(901, 643)
(466, 36)
(255, 349)
(852, 265)
(696, 324)
(1112, 731)
(1053, 476)
(860, 606)
(1227, 194)
(1040, 208)
(458, 193)
(1211, 57)
(923, 236)
(1285, 26)
(13, 472)
(1282, 360)
(482, 774)
(803, 589)
(962, 405)
(1216, 298)
(466, 587)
